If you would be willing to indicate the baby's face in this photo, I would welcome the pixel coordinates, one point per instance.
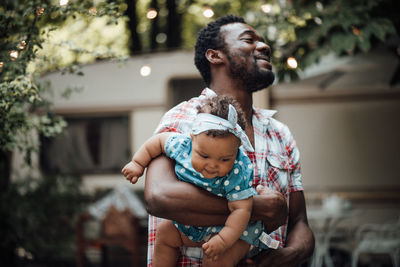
(214, 156)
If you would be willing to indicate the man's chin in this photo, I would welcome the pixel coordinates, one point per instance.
(263, 80)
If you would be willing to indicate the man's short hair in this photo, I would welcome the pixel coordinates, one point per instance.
(210, 38)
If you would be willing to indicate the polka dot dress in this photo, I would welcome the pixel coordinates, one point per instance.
(236, 185)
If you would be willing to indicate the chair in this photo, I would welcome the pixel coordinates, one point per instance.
(117, 229)
(378, 239)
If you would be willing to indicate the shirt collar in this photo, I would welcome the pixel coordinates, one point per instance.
(262, 115)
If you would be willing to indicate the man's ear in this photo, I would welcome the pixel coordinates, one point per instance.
(215, 56)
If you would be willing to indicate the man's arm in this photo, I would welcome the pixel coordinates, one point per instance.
(167, 197)
(300, 239)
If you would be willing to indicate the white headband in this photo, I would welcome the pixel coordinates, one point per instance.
(204, 122)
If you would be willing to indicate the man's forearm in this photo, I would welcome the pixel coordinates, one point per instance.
(300, 236)
(167, 197)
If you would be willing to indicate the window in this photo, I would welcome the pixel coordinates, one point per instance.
(90, 145)
(182, 89)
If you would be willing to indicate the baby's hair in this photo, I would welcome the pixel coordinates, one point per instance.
(219, 106)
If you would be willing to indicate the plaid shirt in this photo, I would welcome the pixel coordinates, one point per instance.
(276, 161)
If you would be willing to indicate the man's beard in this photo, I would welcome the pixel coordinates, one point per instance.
(253, 78)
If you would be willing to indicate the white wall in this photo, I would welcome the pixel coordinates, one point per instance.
(346, 145)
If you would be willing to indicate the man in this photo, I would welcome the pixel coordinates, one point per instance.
(234, 60)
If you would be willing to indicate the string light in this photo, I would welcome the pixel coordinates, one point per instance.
(39, 10)
(93, 11)
(291, 62)
(151, 13)
(21, 45)
(63, 2)
(356, 31)
(266, 8)
(145, 70)
(14, 54)
(208, 12)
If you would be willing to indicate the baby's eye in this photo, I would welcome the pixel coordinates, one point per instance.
(203, 156)
(225, 160)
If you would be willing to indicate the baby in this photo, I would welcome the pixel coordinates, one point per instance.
(210, 158)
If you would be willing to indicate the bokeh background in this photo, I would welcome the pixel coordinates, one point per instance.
(84, 83)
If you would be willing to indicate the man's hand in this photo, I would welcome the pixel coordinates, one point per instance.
(132, 171)
(270, 207)
(281, 257)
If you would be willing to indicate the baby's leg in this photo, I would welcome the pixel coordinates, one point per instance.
(230, 257)
(168, 241)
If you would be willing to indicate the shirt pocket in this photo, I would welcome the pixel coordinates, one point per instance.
(278, 171)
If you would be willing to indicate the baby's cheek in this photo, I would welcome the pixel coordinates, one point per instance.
(196, 165)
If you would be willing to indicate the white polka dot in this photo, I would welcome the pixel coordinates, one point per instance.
(182, 170)
(173, 149)
(256, 231)
(217, 182)
(194, 174)
(185, 155)
(237, 187)
(250, 183)
(250, 166)
(235, 161)
(205, 184)
(220, 195)
(176, 225)
(235, 195)
(240, 162)
(181, 140)
(209, 228)
(191, 237)
(186, 165)
(213, 229)
(245, 233)
(201, 175)
(209, 189)
(187, 226)
(226, 183)
(236, 171)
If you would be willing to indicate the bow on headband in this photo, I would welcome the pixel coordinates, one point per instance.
(204, 122)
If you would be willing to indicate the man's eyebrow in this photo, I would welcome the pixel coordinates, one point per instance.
(253, 33)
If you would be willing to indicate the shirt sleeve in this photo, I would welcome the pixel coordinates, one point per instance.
(177, 145)
(178, 119)
(239, 183)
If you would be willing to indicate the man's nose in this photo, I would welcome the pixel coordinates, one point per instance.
(262, 46)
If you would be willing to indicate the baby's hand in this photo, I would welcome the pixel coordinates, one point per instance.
(214, 247)
(132, 171)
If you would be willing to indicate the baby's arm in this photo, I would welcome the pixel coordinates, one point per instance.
(153, 147)
(233, 229)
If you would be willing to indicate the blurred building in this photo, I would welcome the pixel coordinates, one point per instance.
(343, 114)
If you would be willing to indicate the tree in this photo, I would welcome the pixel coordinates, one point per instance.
(25, 205)
(304, 30)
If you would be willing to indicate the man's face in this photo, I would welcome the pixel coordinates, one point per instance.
(248, 56)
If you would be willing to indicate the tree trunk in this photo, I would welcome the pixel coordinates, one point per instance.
(154, 26)
(173, 25)
(135, 45)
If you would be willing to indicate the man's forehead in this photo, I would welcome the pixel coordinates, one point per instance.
(236, 29)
